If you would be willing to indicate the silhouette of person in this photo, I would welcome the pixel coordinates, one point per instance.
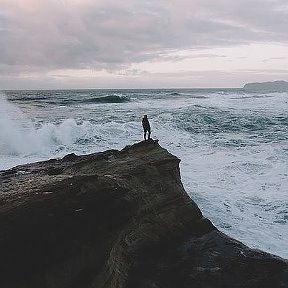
(146, 127)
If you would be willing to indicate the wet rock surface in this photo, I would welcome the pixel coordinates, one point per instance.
(117, 219)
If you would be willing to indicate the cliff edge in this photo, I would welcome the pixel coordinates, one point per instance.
(117, 219)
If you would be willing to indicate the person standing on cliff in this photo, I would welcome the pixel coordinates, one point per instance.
(146, 127)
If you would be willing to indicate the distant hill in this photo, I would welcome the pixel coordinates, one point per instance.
(275, 86)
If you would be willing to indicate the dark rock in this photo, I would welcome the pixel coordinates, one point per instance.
(9, 172)
(70, 157)
(54, 171)
(118, 219)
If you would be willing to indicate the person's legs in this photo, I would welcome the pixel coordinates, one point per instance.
(145, 131)
(149, 133)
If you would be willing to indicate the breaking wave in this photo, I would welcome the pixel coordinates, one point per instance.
(19, 135)
(108, 99)
(213, 121)
(73, 99)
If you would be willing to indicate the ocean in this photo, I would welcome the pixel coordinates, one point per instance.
(233, 145)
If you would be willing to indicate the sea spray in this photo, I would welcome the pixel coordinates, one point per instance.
(17, 132)
(66, 133)
(21, 141)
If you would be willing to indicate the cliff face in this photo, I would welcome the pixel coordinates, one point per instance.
(117, 219)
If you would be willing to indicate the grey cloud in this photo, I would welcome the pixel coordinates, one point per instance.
(266, 71)
(274, 58)
(264, 19)
(105, 35)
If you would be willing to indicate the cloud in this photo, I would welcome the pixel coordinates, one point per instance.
(274, 58)
(72, 34)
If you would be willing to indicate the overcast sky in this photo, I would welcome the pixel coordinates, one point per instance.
(141, 43)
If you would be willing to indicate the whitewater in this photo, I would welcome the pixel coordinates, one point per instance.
(233, 145)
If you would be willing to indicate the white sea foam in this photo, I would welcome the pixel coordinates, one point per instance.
(17, 133)
(21, 142)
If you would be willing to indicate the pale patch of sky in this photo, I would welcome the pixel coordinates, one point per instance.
(104, 43)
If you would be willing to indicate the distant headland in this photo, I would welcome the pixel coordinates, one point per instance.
(275, 86)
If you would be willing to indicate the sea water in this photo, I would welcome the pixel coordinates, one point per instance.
(233, 145)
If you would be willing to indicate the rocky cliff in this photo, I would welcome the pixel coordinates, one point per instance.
(117, 219)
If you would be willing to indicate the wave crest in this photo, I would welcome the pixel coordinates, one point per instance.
(108, 99)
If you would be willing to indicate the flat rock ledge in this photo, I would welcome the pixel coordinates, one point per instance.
(118, 219)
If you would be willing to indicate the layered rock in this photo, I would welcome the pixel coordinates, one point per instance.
(117, 219)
